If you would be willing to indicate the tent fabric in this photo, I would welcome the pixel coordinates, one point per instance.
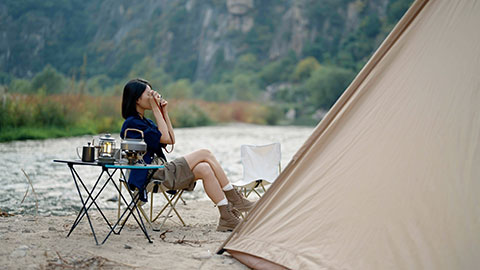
(390, 179)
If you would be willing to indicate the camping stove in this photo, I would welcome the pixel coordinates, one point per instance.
(133, 149)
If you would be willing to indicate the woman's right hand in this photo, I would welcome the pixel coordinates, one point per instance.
(151, 96)
(154, 98)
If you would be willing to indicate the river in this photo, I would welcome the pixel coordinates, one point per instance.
(53, 183)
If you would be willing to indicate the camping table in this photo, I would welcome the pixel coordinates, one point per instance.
(109, 170)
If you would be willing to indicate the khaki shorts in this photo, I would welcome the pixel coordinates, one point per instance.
(176, 175)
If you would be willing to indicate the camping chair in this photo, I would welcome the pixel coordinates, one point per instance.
(261, 166)
(171, 196)
(124, 183)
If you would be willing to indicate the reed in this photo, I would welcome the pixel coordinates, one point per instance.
(39, 116)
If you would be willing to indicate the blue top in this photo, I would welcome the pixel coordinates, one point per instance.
(152, 137)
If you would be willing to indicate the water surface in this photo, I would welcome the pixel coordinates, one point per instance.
(54, 184)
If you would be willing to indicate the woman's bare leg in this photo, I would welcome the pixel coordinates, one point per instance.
(210, 183)
(203, 155)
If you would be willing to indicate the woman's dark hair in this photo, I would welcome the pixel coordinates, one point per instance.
(132, 91)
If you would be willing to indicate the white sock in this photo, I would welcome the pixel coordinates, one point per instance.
(222, 202)
(227, 187)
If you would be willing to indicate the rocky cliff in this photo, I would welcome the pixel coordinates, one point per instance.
(188, 38)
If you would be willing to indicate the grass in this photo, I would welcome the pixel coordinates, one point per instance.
(40, 133)
(36, 116)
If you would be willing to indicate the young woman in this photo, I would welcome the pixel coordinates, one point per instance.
(182, 172)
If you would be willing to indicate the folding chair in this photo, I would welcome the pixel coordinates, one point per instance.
(261, 166)
(171, 196)
(124, 183)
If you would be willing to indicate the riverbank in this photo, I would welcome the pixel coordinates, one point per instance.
(40, 116)
(41, 133)
(55, 190)
(30, 242)
(39, 242)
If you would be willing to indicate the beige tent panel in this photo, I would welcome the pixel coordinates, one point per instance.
(390, 179)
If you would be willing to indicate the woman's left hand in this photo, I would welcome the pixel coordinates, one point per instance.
(163, 104)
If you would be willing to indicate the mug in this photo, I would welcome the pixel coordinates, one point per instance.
(88, 153)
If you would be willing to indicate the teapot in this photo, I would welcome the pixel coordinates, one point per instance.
(134, 149)
(88, 153)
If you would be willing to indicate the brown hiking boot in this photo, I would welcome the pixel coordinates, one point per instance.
(228, 220)
(239, 202)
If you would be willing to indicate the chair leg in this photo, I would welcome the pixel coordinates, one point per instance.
(172, 208)
(151, 206)
(159, 213)
(248, 194)
(263, 187)
(146, 217)
(139, 207)
(175, 210)
(165, 206)
(172, 203)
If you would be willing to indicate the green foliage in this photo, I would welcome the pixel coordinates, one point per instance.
(371, 25)
(164, 49)
(304, 68)
(148, 70)
(40, 116)
(244, 87)
(190, 116)
(50, 114)
(170, 37)
(40, 133)
(50, 80)
(64, 26)
(218, 92)
(180, 89)
(247, 62)
(326, 84)
(274, 115)
(5, 78)
(396, 9)
(199, 87)
(277, 71)
(20, 86)
(97, 84)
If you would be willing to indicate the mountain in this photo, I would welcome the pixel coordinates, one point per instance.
(192, 39)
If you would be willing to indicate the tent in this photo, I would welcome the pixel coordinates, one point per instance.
(390, 178)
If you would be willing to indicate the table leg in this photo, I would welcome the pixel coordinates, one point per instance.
(83, 203)
(133, 203)
(84, 209)
(130, 210)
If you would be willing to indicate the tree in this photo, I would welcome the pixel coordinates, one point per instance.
(247, 62)
(277, 71)
(326, 84)
(180, 89)
(20, 86)
(218, 92)
(49, 80)
(245, 87)
(304, 68)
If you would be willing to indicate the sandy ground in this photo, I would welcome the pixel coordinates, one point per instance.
(29, 242)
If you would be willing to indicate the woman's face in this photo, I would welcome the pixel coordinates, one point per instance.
(144, 100)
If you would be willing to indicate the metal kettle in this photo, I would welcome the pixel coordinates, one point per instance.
(134, 149)
(88, 153)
